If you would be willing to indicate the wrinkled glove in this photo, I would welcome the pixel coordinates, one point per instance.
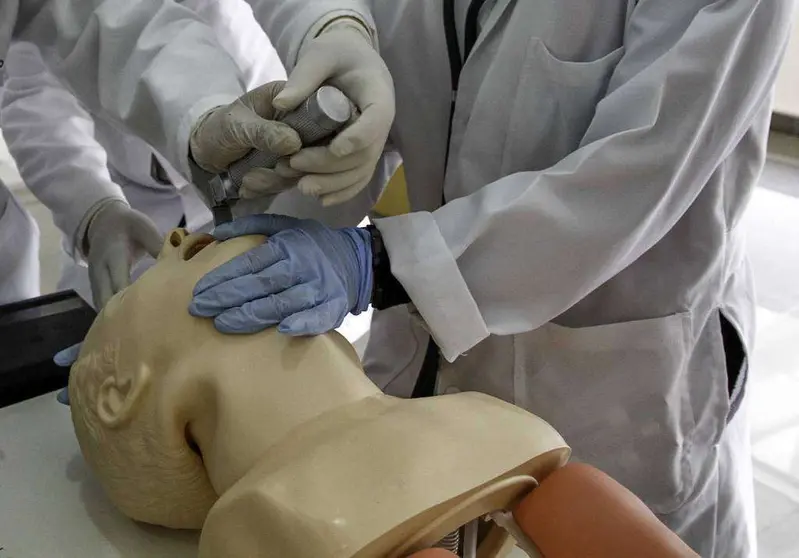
(66, 359)
(342, 56)
(305, 278)
(225, 134)
(117, 237)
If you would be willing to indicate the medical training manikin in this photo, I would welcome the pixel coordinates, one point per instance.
(280, 446)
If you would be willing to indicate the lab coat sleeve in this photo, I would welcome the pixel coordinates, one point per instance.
(152, 66)
(243, 38)
(51, 138)
(290, 23)
(524, 249)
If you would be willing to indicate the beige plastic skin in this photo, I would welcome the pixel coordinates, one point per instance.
(302, 455)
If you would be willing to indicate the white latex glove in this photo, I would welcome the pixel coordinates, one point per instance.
(225, 134)
(117, 237)
(342, 56)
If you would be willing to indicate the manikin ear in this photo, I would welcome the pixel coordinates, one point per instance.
(118, 398)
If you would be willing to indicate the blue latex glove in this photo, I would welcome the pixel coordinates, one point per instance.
(66, 358)
(305, 278)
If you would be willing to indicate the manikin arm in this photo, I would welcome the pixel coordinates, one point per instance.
(580, 511)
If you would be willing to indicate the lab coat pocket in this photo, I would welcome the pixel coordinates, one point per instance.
(619, 394)
(554, 105)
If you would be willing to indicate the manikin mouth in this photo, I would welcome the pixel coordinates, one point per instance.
(193, 245)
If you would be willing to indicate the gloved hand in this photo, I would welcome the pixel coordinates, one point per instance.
(117, 237)
(342, 56)
(225, 134)
(305, 278)
(66, 359)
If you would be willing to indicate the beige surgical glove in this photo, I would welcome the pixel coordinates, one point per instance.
(116, 238)
(343, 56)
(225, 134)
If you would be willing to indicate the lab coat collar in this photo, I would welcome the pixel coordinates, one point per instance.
(494, 16)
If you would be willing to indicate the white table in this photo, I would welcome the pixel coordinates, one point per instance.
(51, 505)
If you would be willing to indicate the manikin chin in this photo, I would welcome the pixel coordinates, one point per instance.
(277, 446)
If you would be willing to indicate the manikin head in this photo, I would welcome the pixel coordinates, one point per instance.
(281, 446)
(117, 387)
(156, 393)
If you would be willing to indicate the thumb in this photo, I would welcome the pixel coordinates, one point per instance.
(315, 321)
(269, 136)
(63, 397)
(68, 356)
(261, 99)
(267, 224)
(308, 75)
(145, 233)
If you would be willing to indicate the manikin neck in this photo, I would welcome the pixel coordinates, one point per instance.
(238, 414)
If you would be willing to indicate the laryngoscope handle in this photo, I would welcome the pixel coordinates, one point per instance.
(323, 114)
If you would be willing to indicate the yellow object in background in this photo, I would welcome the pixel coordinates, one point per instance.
(394, 200)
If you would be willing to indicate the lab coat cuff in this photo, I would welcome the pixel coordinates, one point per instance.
(424, 265)
(352, 23)
(72, 214)
(369, 30)
(179, 153)
(77, 248)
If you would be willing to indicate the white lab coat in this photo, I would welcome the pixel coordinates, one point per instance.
(602, 154)
(151, 66)
(19, 250)
(72, 162)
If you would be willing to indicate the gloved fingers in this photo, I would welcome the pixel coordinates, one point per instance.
(261, 99)
(252, 131)
(321, 160)
(308, 75)
(283, 169)
(342, 196)
(63, 397)
(100, 279)
(241, 321)
(201, 141)
(241, 290)
(68, 356)
(146, 235)
(318, 185)
(371, 127)
(119, 264)
(248, 263)
(267, 224)
(259, 182)
(270, 311)
(315, 321)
